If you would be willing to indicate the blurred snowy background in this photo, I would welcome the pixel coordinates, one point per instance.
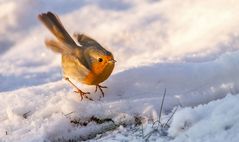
(190, 47)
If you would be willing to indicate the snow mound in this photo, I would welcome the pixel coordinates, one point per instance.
(188, 47)
(216, 121)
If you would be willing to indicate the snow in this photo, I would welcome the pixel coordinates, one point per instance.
(188, 47)
(216, 121)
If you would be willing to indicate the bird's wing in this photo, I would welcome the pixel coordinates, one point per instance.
(74, 68)
(58, 47)
(84, 62)
(85, 40)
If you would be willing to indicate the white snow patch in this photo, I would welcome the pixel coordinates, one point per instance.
(188, 47)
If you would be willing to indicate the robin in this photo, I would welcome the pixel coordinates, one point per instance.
(88, 63)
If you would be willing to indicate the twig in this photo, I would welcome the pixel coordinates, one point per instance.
(158, 122)
(161, 107)
(146, 137)
(69, 113)
(160, 112)
(25, 114)
(163, 129)
(166, 124)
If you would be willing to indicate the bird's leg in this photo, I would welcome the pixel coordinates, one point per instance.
(82, 94)
(101, 90)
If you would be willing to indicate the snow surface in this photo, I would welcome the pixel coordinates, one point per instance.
(188, 47)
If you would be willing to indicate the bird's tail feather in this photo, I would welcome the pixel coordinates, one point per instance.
(53, 23)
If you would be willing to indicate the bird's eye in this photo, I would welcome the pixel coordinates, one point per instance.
(100, 59)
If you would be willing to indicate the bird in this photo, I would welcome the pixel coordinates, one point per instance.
(84, 61)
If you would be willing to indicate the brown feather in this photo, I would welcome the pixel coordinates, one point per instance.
(57, 47)
(84, 39)
(53, 23)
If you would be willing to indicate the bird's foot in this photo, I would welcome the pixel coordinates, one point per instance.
(83, 94)
(78, 91)
(100, 88)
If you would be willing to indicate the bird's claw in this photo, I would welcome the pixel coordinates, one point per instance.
(100, 88)
(83, 94)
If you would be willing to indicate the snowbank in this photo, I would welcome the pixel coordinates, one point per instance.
(189, 47)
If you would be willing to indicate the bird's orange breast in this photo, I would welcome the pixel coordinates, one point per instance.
(99, 74)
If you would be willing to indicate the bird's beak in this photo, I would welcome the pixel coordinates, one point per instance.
(112, 61)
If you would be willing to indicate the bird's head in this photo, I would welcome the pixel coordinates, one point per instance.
(101, 60)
